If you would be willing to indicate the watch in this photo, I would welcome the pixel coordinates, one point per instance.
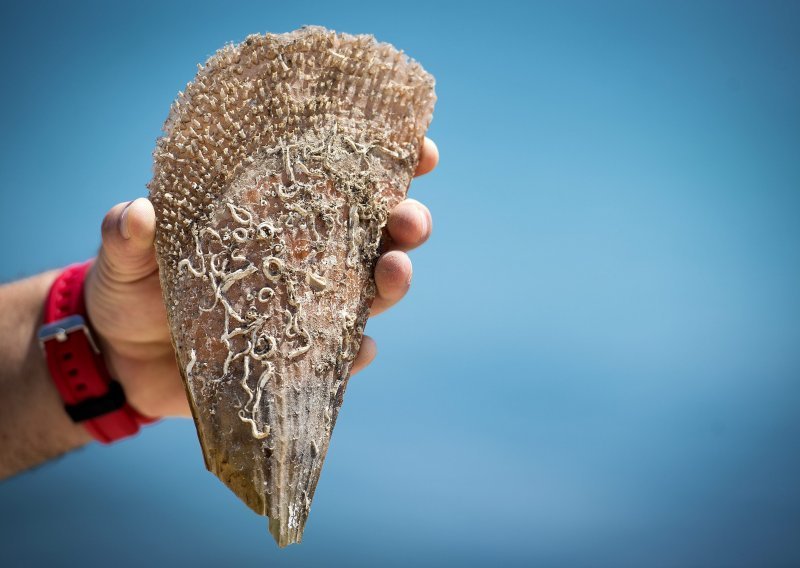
(91, 397)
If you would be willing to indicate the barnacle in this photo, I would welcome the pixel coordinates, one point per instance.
(272, 184)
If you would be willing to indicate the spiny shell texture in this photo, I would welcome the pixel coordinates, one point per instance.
(272, 184)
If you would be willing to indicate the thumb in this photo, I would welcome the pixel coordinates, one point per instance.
(128, 233)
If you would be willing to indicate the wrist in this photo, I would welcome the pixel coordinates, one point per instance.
(33, 424)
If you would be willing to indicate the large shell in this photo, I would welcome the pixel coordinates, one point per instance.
(273, 180)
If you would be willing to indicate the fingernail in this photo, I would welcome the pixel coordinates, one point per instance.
(124, 230)
(426, 229)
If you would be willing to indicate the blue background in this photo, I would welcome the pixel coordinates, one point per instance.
(599, 361)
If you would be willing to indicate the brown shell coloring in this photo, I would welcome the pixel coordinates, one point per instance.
(272, 184)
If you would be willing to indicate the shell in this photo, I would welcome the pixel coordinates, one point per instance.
(272, 184)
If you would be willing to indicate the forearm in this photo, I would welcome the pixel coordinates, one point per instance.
(33, 424)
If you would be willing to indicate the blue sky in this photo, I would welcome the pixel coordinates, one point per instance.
(598, 362)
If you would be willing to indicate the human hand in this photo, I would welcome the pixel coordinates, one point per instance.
(125, 306)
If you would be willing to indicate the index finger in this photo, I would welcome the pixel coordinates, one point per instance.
(428, 157)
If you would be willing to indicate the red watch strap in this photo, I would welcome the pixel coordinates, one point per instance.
(90, 395)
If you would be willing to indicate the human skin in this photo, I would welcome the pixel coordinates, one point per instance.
(126, 310)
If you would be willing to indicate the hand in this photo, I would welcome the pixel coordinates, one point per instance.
(123, 297)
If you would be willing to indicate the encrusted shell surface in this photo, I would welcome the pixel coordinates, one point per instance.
(272, 184)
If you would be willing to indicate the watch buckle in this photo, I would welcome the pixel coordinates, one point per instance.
(59, 330)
